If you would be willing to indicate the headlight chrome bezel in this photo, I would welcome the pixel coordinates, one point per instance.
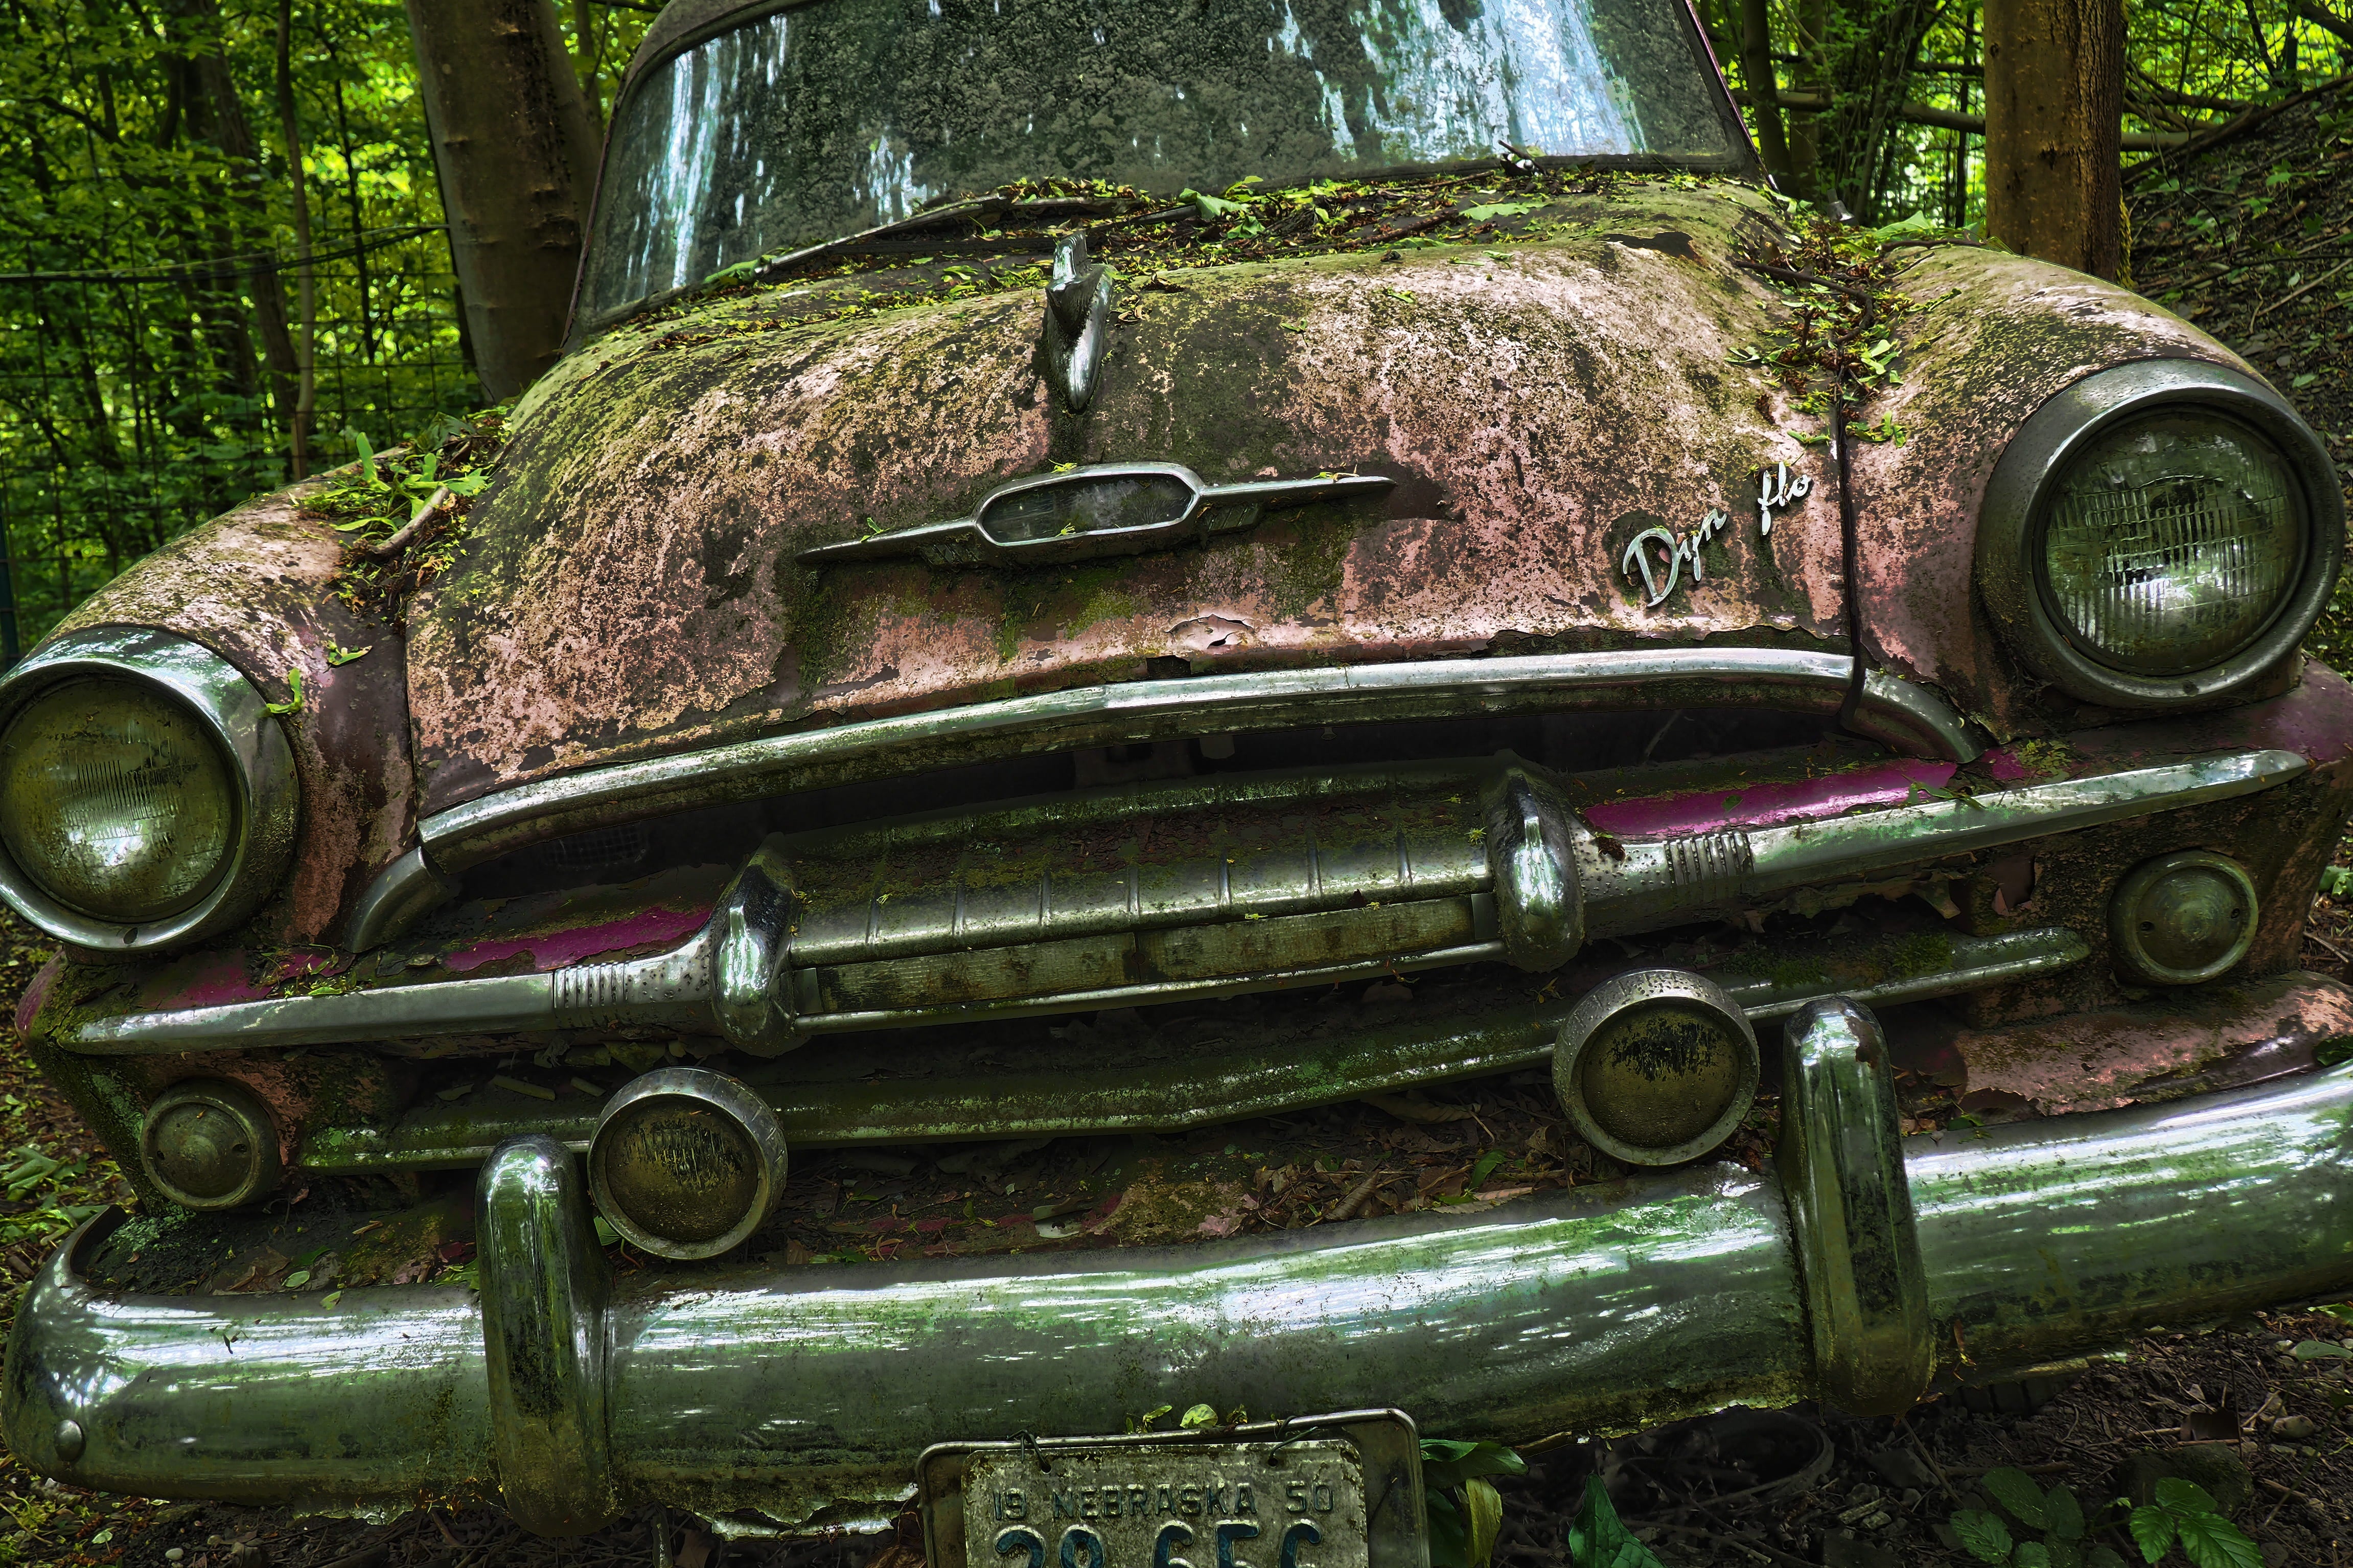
(261, 772)
(2010, 567)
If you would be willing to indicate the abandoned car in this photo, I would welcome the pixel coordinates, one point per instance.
(1090, 574)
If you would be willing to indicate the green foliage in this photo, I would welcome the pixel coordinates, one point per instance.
(1465, 1510)
(2055, 1514)
(150, 315)
(2185, 1513)
(1599, 1539)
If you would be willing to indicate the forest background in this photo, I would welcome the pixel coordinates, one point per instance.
(224, 257)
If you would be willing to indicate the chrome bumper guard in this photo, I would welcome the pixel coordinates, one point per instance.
(1864, 1268)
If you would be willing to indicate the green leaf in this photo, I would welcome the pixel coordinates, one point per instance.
(606, 1235)
(2177, 1496)
(1597, 1537)
(2016, 1490)
(2065, 1553)
(343, 656)
(2101, 1557)
(1157, 1413)
(1210, 206)
(467, 484)
(2065, 1514)
(2152, 1531)
(296, 1280)
(1985, 1537)
(1448, 1465)
(331, 1299)
(2031, 1554)
(1918, 222)
(367, 461)
(293, 703)
(1499, 209)
(2209, 1541)
(1484, 1505)
(1198, 1418)
(1450, 1542)
(2320, 1349)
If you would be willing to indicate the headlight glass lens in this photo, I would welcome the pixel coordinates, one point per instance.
(116, 800)
(2171, 541)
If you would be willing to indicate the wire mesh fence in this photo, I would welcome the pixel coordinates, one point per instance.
(136, 404)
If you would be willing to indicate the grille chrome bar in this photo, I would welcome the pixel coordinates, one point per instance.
(1911, 719)
(741, 977)
(1170, 1096)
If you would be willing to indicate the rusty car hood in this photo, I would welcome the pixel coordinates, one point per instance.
(631, 583)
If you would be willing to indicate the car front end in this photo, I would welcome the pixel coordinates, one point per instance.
(1102, 660)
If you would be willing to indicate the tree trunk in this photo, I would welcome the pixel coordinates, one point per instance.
(306, 396)
(1812, 77)
(1756, 75)
(214, 112)
(518, 167)
(2054, 103)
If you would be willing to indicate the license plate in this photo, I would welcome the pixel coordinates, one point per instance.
(1341, 1491)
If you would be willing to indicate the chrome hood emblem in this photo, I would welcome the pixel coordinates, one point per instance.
(1101, 508)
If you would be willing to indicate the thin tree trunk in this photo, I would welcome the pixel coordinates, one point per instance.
(588, 53)
(217, 114)
(359, 228)
(2054, 102)
(1757, 74)
(518, 167)
(1812, 77)
(306, 396)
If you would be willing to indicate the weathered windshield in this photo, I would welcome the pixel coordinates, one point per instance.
(820, 119)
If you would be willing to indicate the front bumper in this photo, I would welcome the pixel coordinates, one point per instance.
(1866, 1269)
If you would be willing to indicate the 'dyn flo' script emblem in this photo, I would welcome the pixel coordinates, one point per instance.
(1777, 489)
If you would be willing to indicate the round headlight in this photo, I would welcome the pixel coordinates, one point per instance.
(2172, 543)
(2160, 533)
(116, 800)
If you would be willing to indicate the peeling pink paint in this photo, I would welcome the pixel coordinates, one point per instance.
(37, 992)
(558, 950)
(2005, 767)
(1763, 804)
(2100, 1060)
(210, 979)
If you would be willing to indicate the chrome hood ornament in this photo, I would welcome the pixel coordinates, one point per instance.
(1078, 319)
(1101, 508)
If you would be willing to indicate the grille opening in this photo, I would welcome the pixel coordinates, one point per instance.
(1633, 747)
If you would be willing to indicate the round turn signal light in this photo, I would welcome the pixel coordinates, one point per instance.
(2182, 918)
(210, 1145)
(1656, 1066)
(687, 1163)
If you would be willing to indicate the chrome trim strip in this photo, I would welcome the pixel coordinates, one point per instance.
(1637, 886)
(260, 761)
(1605, 1308)
(1910, 718)
(1172, 1097)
